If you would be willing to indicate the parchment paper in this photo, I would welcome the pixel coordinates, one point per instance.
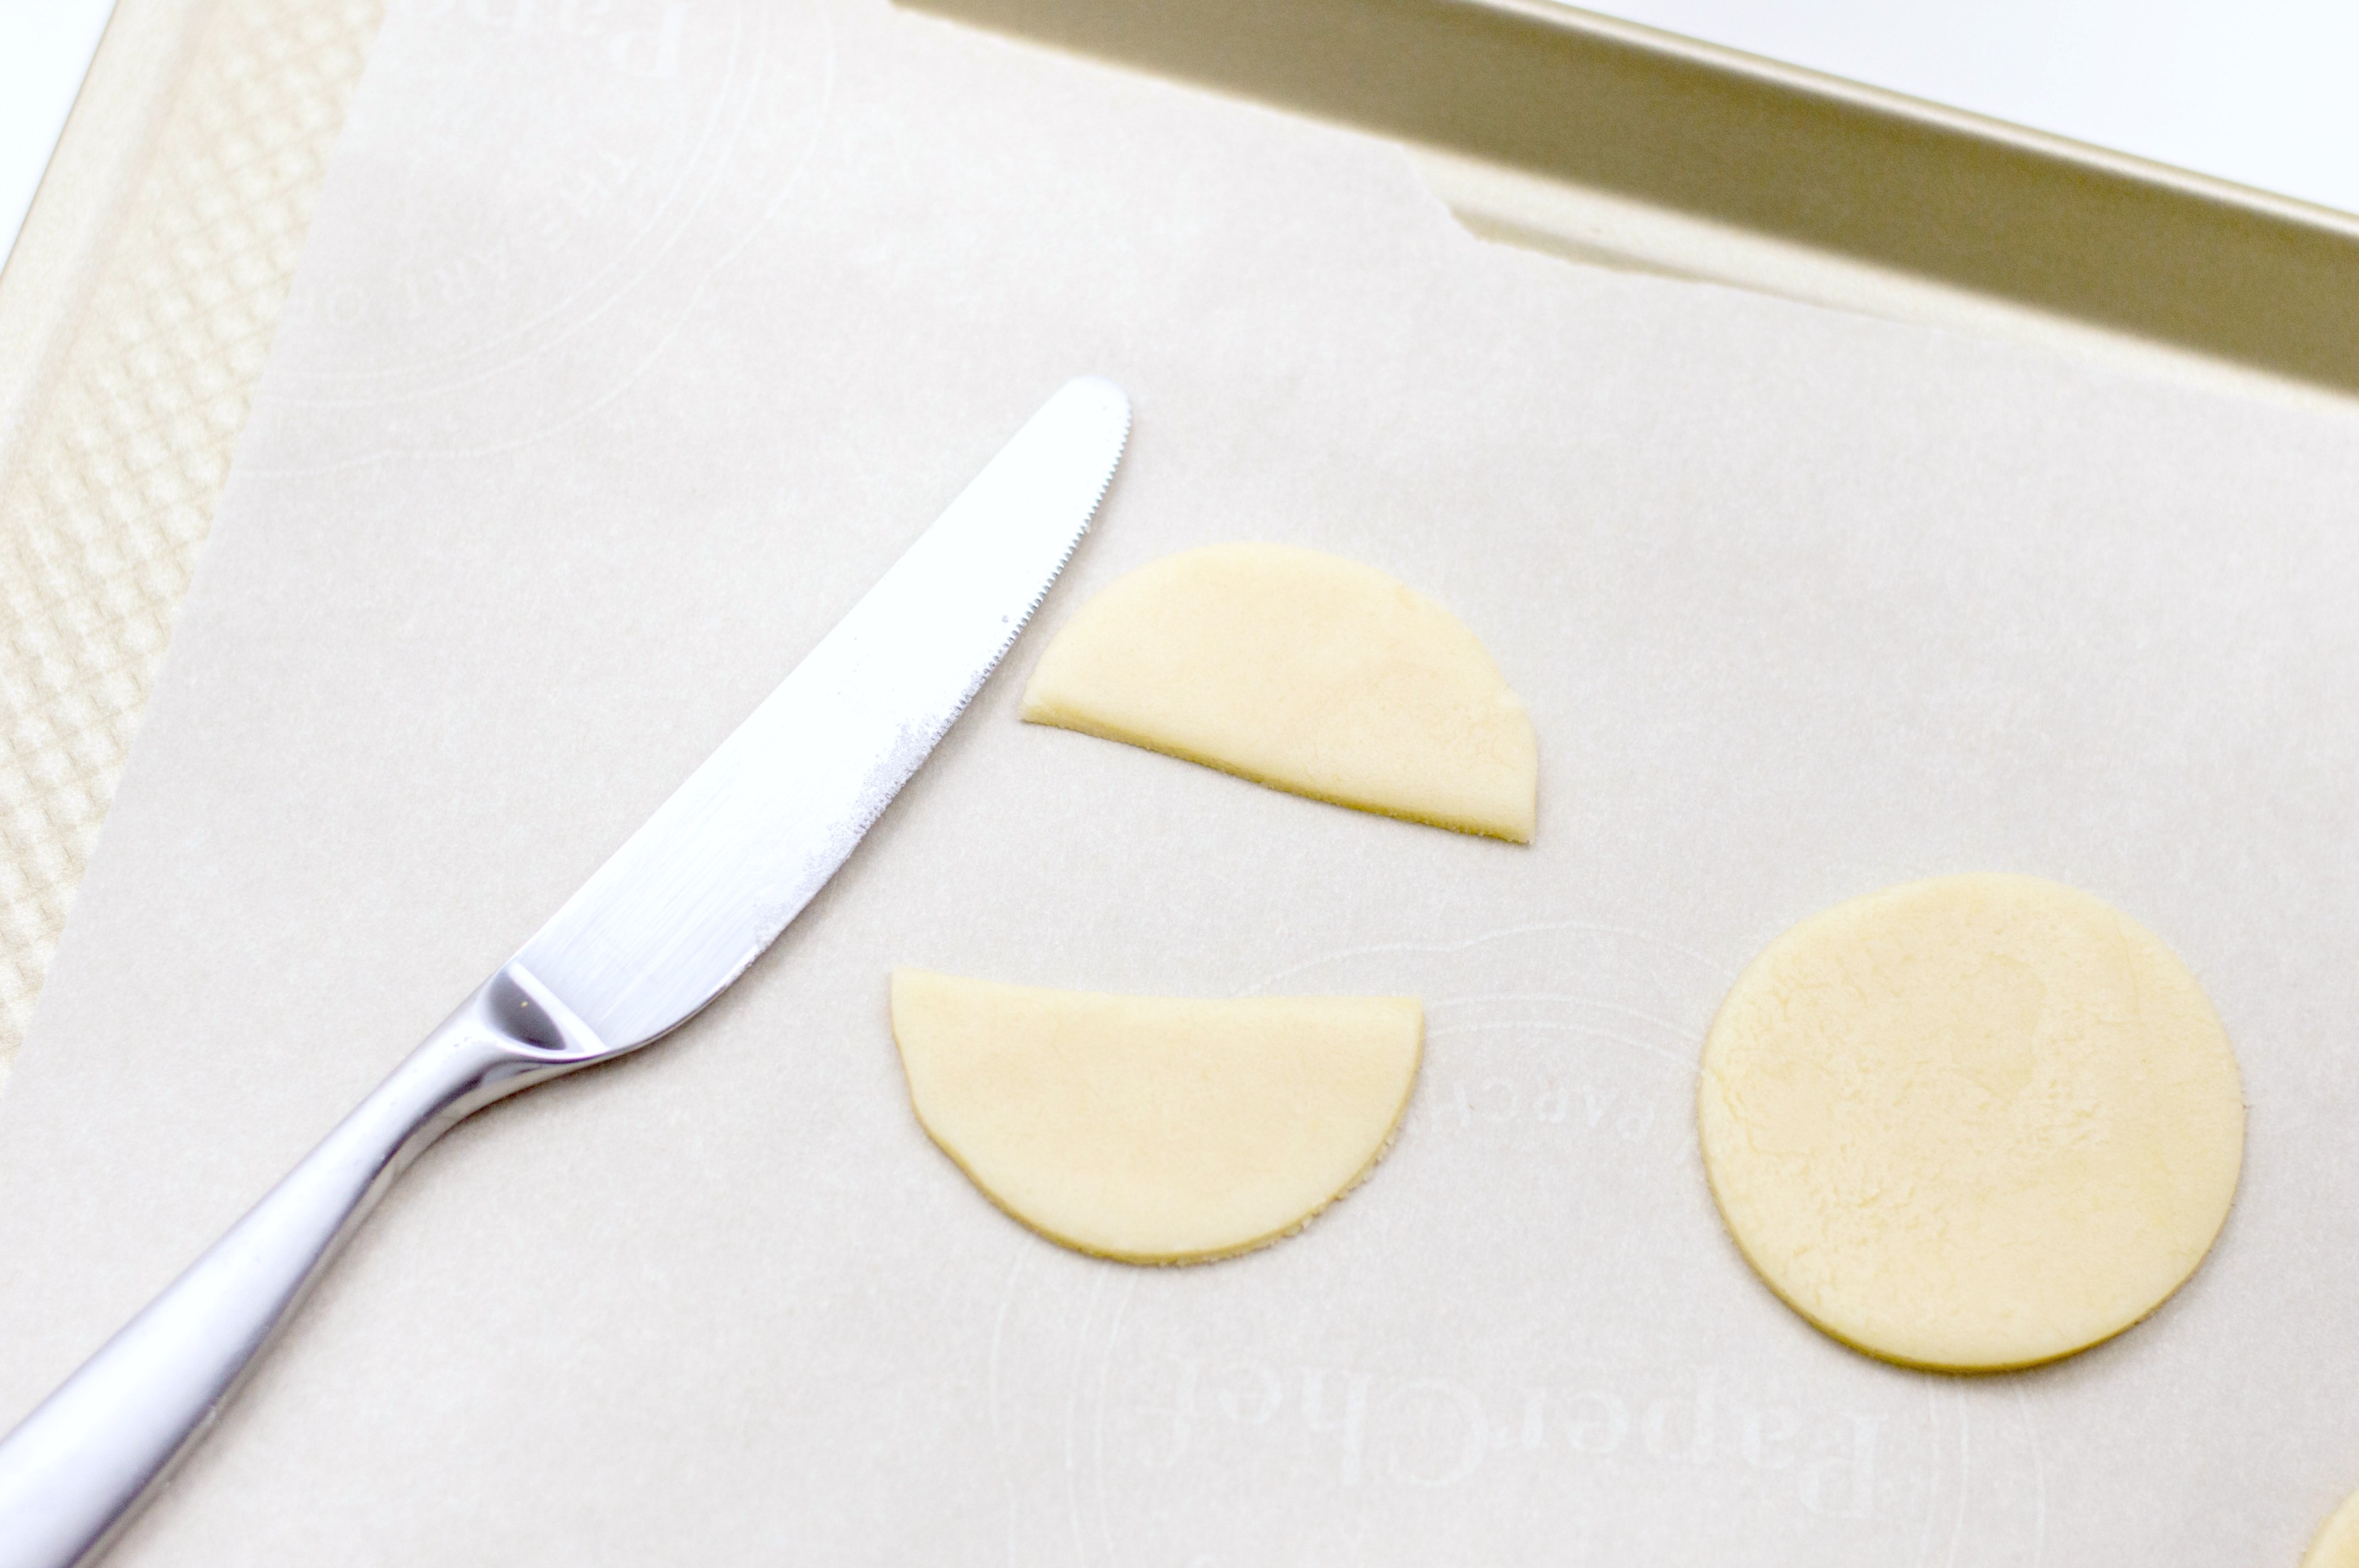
(634, 341)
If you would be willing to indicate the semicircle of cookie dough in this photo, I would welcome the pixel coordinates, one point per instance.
(1970, 1124)
(1155, 1129)
(1304, 672)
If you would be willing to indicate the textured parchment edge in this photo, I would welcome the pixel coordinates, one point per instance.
(155, 321)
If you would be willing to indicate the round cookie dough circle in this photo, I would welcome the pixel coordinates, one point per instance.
(1970, 1124)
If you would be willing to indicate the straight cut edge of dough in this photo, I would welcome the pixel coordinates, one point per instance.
(1509, 829)
(1381, 1146)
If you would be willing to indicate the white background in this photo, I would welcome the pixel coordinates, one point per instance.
(45, 48)
(2253, 90)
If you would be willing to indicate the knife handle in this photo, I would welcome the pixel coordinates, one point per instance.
(75, 1471)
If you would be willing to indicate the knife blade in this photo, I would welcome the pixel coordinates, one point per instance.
(689, 900)
(720, 869)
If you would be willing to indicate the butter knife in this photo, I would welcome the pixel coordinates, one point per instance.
(657, 933)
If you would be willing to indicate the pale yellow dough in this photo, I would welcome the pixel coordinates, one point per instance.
(1304, 672)
(2337, 1545)
(1973, 1123)
(1149, 1128)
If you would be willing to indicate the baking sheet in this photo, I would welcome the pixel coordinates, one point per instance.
(135, 316)
(632, 344)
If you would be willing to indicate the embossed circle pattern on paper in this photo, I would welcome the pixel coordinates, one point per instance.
(494, 309)
(1530, 1333)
